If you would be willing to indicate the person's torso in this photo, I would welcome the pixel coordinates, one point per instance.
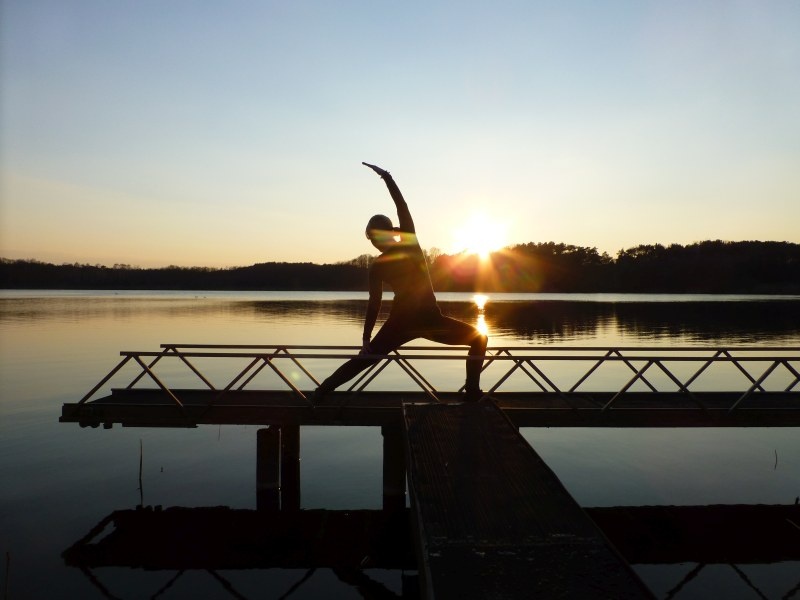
(404, 268)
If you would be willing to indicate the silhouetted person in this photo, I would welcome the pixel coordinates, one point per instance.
(414, 312)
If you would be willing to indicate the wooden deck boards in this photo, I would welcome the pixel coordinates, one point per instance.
(493, 520)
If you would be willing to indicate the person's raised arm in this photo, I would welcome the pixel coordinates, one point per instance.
(403, 214)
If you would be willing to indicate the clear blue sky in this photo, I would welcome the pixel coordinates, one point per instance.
(230, 133)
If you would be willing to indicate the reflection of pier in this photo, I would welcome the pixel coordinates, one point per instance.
(216, 538)
(224, 538)
(491, 519)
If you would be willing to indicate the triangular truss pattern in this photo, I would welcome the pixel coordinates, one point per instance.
(649, 368)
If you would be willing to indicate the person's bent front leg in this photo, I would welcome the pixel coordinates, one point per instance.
(477, 348)
(454, 332)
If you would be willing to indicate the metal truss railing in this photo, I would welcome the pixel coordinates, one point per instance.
(756, 364)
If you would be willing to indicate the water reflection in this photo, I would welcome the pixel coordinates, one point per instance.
(773, 322)
(371, 551)
(53, 349)
(368, 551)
(480, 301)
(770, 323)
(745, 322)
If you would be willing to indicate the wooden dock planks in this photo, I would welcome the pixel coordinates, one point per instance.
(493, 521)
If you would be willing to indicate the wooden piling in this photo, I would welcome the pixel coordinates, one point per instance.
(268, 480)
(394, 468)
(290, 467)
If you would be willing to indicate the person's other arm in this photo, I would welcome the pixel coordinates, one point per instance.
(373, 307)
(403, 214)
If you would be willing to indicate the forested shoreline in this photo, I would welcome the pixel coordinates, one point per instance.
(703, 267)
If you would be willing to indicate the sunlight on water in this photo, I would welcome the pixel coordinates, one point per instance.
(480, 301)
(480, 324)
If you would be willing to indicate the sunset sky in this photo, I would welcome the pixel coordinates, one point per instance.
(230, 133)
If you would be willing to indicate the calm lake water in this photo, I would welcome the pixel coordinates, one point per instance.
(57, 480)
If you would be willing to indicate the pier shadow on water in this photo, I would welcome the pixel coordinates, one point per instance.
(288, 553)
(360, 548)
(280, 550)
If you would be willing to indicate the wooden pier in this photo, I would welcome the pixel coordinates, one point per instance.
(154, 408)
(491, 519)
(561, 386)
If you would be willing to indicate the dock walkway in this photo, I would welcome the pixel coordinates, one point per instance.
(492, 519)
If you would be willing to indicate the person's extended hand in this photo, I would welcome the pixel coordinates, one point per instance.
(382, 172)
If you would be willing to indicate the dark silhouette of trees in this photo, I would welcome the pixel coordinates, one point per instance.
(710, 266)
(265, 276)
(704, 267)
(546, 267)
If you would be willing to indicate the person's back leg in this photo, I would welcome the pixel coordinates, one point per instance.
(391, 336)
(344, 373)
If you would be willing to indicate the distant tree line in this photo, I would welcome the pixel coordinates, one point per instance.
(28, 274)
(704, 267)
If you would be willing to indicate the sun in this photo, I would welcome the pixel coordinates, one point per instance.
(481, 235)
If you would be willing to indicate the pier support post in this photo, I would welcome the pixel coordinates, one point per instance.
(394, 468)
(268, 478)
(290, 467)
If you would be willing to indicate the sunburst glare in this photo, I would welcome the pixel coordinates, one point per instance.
(480, 235)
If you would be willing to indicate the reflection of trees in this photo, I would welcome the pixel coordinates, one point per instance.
(745, 322)
(751, 322)
(346, 310)
(547, 320)
(543, 320)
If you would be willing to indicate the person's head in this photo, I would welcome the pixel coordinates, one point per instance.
(380, 232)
